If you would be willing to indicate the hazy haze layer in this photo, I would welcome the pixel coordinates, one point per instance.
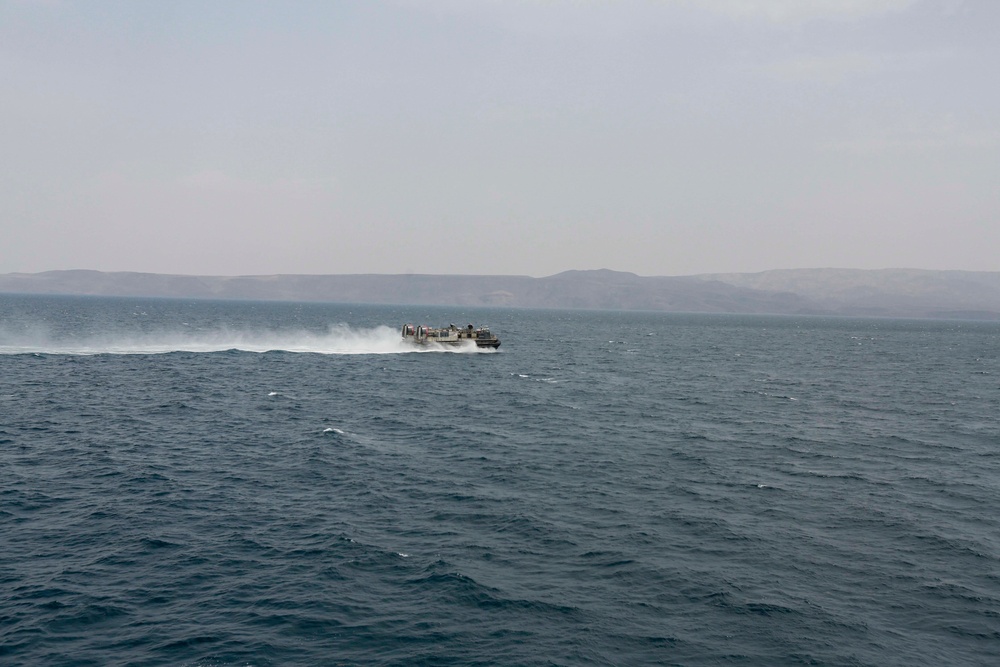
(660, 137)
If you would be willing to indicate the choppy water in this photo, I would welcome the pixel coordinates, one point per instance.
(187, 483)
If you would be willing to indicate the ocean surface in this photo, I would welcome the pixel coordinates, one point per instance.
(249, 484)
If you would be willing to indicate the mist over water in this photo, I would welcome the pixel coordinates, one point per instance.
(611, 488)
(28, 332)
(339, 339)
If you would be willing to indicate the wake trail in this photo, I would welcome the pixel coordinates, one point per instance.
(336, 340)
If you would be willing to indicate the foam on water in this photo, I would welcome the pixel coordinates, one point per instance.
(340, 339)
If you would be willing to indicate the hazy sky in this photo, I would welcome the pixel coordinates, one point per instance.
(662, 137)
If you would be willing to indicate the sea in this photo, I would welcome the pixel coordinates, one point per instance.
(209, 483)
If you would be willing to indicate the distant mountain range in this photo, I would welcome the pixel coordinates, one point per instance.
(880, 293)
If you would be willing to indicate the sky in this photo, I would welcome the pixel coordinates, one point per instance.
(529, 137)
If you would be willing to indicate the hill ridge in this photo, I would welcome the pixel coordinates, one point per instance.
(920, 293)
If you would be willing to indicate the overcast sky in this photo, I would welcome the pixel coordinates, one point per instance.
(662, 137)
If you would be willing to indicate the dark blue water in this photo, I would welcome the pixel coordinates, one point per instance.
(191, 483)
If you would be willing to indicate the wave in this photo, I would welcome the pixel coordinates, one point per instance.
(338, 339)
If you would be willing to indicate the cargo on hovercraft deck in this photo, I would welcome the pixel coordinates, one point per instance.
(450, 335)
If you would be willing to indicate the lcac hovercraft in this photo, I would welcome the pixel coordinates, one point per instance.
(450, 335)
